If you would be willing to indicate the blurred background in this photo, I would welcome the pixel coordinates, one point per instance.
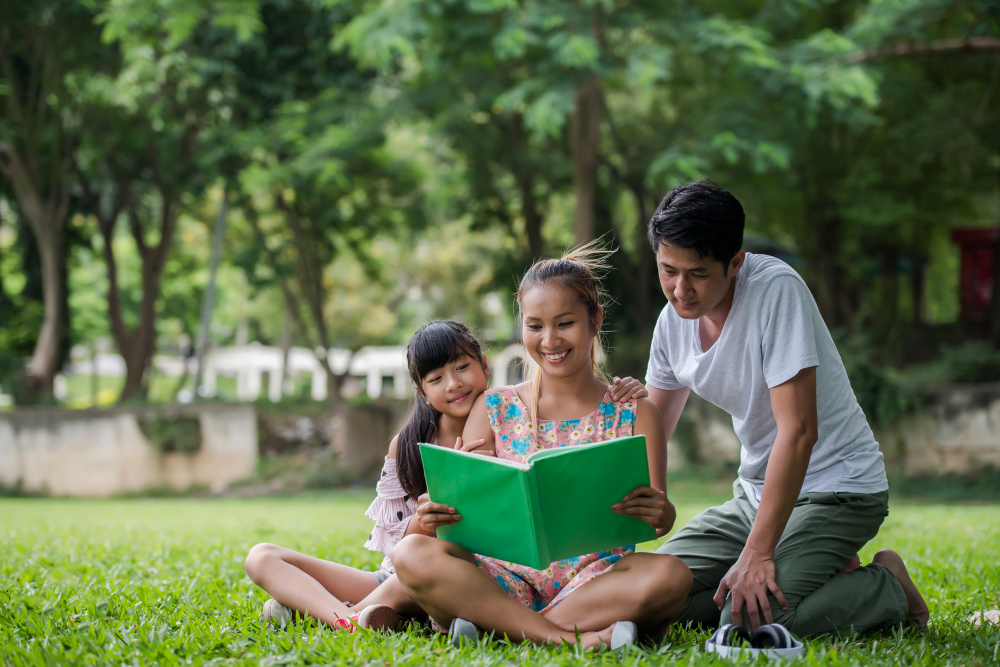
(219, 221)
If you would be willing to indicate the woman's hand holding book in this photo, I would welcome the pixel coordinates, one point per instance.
(650, 505)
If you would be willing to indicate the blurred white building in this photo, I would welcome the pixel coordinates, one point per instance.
(378, 368)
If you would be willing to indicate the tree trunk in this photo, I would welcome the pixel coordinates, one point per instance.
(994, 318)
(638, 272)
(286, 348)
(208, 301)
(918, 288)
(833, 296)
(46, 215)
(995, 297)
(890, 284)
(154, 259)
(44, 361)
(135, 345)
(525, 177)
(585, 134)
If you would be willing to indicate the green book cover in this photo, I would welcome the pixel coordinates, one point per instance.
(554, 506)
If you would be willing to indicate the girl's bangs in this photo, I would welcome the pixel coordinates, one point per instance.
(438, 347)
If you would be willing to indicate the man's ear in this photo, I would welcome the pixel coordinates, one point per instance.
(736, 263)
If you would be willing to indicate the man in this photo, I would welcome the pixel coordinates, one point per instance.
(743, 331)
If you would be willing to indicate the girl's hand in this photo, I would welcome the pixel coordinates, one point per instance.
(432, 516)
(627, 389)
(650, 505)
(474, 447)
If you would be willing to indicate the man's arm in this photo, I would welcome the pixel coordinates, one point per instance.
(794, 407)
(671, 403)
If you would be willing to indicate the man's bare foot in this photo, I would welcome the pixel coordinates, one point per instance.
(851, 565)
(915, 605)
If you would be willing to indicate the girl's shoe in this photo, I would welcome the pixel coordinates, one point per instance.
(380, 617)
(462, 632)
(277, 611)
(624, 634)
(349, 624)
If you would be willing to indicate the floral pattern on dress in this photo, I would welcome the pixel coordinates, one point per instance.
(510, 421)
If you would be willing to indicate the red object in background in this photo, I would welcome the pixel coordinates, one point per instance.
(976, 286)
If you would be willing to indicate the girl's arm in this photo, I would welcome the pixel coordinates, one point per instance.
(430, 515)
(650, 503)
(477, 427)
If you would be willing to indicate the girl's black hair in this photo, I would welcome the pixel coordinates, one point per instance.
(435, 344)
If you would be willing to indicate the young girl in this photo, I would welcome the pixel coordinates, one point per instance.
(449, 371)
(603, 596)
(447, 366)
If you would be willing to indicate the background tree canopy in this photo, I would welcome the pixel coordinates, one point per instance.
(377, 163)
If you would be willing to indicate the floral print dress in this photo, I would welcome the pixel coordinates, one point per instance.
(510, 421)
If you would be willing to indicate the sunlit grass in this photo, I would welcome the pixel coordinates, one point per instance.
(161, 581)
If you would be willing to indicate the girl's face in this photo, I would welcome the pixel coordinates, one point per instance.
(453, 388)
(557, 330)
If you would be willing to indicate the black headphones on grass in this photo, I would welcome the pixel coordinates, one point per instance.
(773, 635)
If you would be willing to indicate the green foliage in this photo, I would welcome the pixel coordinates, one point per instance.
(686, 435)
(980, 485)
(161, 581)
(885, 395)
(976, 361)
(389, 161)
(172, 433)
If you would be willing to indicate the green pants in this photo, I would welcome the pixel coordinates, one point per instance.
(824, 531)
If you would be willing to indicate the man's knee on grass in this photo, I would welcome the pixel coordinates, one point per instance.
(258, 558)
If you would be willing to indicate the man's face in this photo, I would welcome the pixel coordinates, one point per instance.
(694, 285)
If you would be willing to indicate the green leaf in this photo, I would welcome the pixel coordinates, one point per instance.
(512, 42)
(578, 51)
(547, 114)
(490, 6)
(649, 65)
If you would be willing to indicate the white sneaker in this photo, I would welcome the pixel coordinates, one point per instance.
(277, 611)
(624, 634)
(462, 632)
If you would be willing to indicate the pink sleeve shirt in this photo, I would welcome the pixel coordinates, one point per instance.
(391, 511)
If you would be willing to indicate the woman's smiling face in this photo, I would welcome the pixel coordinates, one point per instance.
(556, 328)
(453, 388)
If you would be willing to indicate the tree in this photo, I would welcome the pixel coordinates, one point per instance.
(152, 143)
(317, 179)
(38, 137)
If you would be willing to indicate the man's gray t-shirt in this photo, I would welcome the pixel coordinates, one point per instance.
(773, 331)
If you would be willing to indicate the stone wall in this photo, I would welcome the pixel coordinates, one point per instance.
(98, 453)
(957, 431)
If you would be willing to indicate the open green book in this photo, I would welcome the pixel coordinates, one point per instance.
(555, 506)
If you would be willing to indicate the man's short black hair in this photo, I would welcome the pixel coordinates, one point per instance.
(702, 216)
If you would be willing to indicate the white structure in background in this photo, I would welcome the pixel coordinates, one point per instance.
(508, 366)
(249, 363)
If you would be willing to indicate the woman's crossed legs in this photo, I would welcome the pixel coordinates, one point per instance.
(443, 579)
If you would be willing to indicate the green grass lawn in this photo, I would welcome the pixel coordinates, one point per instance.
(148, 581)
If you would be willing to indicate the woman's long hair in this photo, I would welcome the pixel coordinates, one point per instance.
(579, 270)
(434, 345)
